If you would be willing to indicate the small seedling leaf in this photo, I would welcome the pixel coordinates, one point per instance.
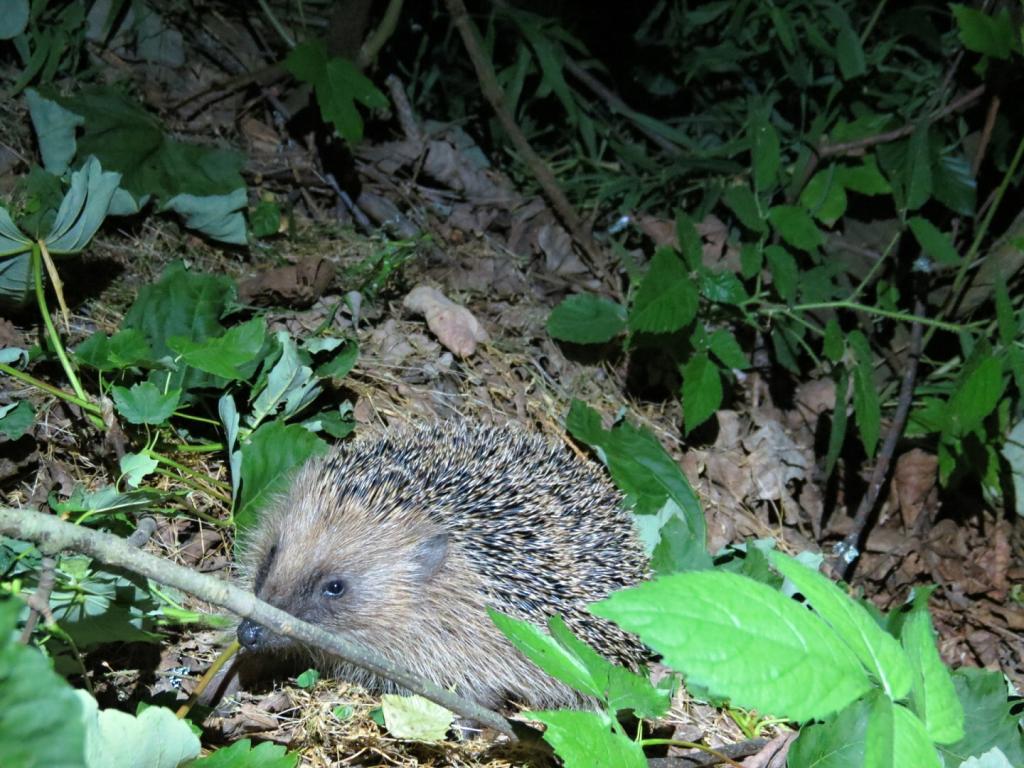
(415, 718)
(144, 403)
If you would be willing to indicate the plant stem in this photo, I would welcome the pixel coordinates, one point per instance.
(201, 448)
(51, 331)
(32, 381)
(892, 315)
(720, 756)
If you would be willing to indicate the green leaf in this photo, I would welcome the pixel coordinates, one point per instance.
(41, 725)
(338, 84)
(850, 53)
(83, 208)
(272, 453)
(415, 718)
(977, 393)
(989, 35)
(955, 186)
(55, 131)
(742, 641)
(14, 19)
(586, 740)
(741, 201)
(219, 217)
(181, 303)
(689, 241)
(290, 385)
(877, 650)
(917, 173)
(833, 344)
(933, 242)
(586, 318)
(265, 219)
(751, 259)
(222, 355)
(1013, 453)
(144, 403)
(796, 227)
(125, 349)
(825, 197)
(764, 148)
(342, 362)
(867, 407)
(933, 696)
(115, 739)
(666, 299)
(837, 434)
(988, 722)
(722, 287)
(724, 346)
(784, 272)
(911, 745)
(865, 178)
(16, 418)
(242, 754)
(838, 742)
(702, 390)
(135, 466)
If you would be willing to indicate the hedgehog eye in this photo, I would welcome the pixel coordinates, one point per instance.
(334, 588)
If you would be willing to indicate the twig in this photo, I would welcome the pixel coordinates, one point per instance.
(207, 678)
(39, 602)
(496, 97)
(986, 135)
(52, 535)
(846, 552)
(385, 29)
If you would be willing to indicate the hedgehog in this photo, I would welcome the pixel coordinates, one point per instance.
(400, 541)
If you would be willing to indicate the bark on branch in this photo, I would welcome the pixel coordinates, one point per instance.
(52, 535)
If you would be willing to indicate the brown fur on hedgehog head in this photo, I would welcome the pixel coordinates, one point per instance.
(401, 542)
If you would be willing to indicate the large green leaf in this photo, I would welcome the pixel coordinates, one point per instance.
(988, 718)
(933, 696)
(242, 754)
(154, 739)
(83, 208)
(144, 403)
(667, 298)
(586, 318)
(41, 720)
(795, 225)
(991, 35)
(586, 740)
(702, 390)
(743, 641)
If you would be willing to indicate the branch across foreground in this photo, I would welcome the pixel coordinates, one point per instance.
(52, 535)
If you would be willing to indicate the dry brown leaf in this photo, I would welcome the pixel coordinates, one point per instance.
(454, 325)
(914, 486)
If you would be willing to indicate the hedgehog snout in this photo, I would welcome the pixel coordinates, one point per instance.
(251, 635)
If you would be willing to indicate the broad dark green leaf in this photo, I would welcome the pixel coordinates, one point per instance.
(795, 225)
(933, 242)
(667, 298)
(273, 452)
(976, 395)
(865, 178)
(955, 186)
(722, 287)
(586, 318)
(222, 355)
(917, 171)
(724, 346)
(838, 742)
(850, 53)
(933, 697)
(751, 259)
(824, 196)
(990, 35)
(242, 754)
(689, 240)
(742, 202)
(833, 345)
(702, 390)
(144, 403)
(988, 722)
(16, 418)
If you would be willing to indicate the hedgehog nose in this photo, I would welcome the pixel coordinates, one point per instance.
(250, 635)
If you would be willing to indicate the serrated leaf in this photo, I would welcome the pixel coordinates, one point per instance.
(977, 393)
(795, 225)
(990, 35)
(135, 466)
(242, 754)
(702, 390)
(933, 696)
(911, 745)
(917, 172)
(743, 641)
(55, 131)
(988, 721)
(666, 299)
(41, 725)
(586, 740)
(222, 355)
(155, 739)
(270, 456)
(877, 650)
(290, 385)
(415, 718)
(867, 407)
(865, 178)
(585, 318)
(784, 271)
(825, 197)
(742, 202)
(724, 346)
(933, 242)
(689, 240)
(144, 403)
(722, 287)
(850, 52)
(751, 259)
(838, 742)
(833, 345)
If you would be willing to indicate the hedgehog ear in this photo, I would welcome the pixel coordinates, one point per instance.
(430, 554)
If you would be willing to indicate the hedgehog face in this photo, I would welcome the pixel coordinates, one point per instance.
(345, 570)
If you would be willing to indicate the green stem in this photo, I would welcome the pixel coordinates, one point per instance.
(278, 27)
(32, 381)
(192, 417)
(51, 331)
(892, 315)
(185, 470)
(201, 448)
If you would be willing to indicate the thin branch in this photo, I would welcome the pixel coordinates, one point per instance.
(847, 551)
(496, 97)
(52, 535)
